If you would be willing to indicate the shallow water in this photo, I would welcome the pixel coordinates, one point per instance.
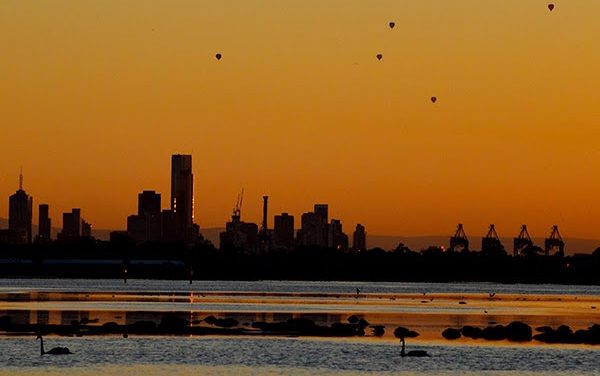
(425, 307)
(278, 356)
(140, 285)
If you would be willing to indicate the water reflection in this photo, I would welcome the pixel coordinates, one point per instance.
(101, 312)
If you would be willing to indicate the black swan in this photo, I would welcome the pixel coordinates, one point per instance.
(54, 351)
(414, 353)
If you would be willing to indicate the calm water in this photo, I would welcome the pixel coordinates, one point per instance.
(144, 355)
(162, 355)
(137, 285)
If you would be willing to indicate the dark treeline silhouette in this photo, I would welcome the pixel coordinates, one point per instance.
(160, 260)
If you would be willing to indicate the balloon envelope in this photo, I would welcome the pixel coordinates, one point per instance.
(551, 7)
(433, 99)
(218, 56)
(379, 56)
(392, 24)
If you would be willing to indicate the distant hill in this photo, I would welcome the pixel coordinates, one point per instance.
(387, 242)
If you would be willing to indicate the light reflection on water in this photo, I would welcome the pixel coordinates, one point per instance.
(278, 356)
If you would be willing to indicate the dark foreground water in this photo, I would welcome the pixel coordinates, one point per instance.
(274, 356)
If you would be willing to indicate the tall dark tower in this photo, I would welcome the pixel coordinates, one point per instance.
(20, 207)
(322, 210)
(44, 224)
(182, 195)
(264, 229)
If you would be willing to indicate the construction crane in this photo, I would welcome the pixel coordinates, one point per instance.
(490, 243)
(237, 210)
(554, 243)
(459, 241)
(522, 241)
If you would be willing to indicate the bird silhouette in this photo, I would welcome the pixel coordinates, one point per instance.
(53, 351)
(413, 353)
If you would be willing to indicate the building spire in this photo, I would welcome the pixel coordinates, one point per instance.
(21, 179)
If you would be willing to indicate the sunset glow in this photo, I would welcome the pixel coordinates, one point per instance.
(97, 95)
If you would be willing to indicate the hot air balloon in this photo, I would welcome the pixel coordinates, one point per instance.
(392, 24)
(433, 99)
(218, 56)
(379, 56)
(551, 7)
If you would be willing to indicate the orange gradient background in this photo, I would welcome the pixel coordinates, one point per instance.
(96, 95)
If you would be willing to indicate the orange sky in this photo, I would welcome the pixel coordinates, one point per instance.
(96, 96)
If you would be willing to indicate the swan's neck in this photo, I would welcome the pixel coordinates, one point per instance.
(42, 352)
(402, 350)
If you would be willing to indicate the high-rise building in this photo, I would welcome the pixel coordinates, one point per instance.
(44, 224)
(146, 224)
(322, 210)
(148, 203)
(336, 237)
(359, 241)
(182, 195)
(86, 229)
(71, 224)
(168, 225)
(283, 233)
(136, 228)
(313, 230)
(239, 236)
(20, 206)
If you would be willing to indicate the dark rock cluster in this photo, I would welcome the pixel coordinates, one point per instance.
(564, 334)
(516, 331)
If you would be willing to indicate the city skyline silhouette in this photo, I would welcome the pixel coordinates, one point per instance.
(155, 222)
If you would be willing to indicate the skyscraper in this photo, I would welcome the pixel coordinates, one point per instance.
(322, 210)
(359, 242)
(146, 224)
(44, 224)
(148, 203)
(182, 195)
(71, 224)
(20, 206)
(312, 231)
(86, 229)
(336, 237)
(283, 233)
